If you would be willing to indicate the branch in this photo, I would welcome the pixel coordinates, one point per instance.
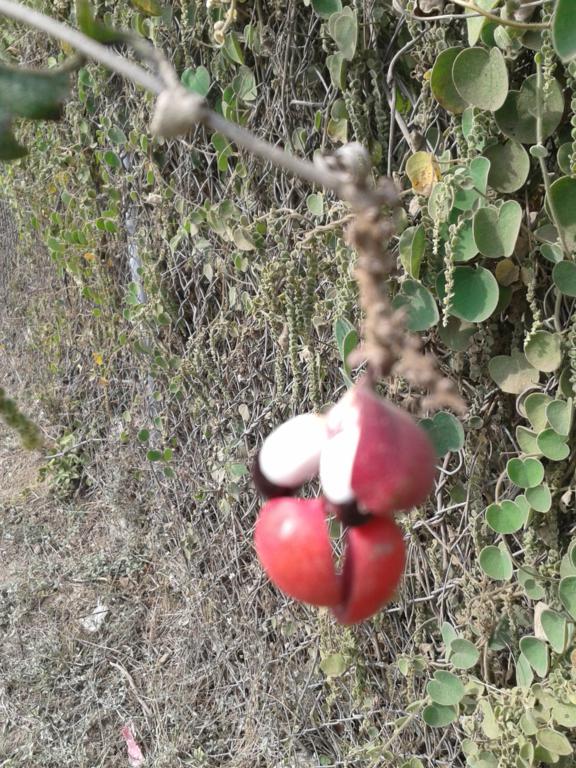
(347, 173)
(499, 19)
(82, 43)
(178, 111)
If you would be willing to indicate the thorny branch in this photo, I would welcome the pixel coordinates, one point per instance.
(389, 348)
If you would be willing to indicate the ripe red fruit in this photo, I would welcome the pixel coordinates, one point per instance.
(375, 455)
(373, 564)
(294, 548)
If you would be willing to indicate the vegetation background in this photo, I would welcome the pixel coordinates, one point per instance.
(164, 304)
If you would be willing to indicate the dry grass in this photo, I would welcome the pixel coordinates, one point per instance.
(211, 665)
(207, 661)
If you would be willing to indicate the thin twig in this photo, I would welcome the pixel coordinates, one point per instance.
(499, 19)
(82, 43)
(359, 196)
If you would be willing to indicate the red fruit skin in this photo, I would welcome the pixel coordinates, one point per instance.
(373, 565)
(294, 548)
(395, 462)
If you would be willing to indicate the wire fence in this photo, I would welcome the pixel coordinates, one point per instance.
(219, 668)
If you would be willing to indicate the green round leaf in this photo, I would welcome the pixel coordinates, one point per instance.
(562, 197)
(564, 276)
(554, 742)
(522, 502)
(513, 374)
(197, 80)
(412, 246)
(509, 166)
(419, 305)
(315, 204)
(564, 30)
(535, 406)
(343, 27)
(544, 351)
(528, 580)
(536, 652)
(517, 118)
(564, 714)
(448, 634)
(563, 158)
(456, 334)
(566, 387)
(552, 252)
(464, 247)
(553, 445)
(481, 77)
(445, 432)
(559, 414)
(527, 440)
(539, 498)
(476, 294)
(445, 688)
(475, 23)
(111, 159)
(463, 653)
(555, 628)
(525, 473)
(567, 594)
(496, 230)
(524, 674)
(506, 517)
(478, 170)
(333, 665)
(117, 135)
(496, 563)
(439, 716)
(442, 83)
(326, 8)
(337, 69)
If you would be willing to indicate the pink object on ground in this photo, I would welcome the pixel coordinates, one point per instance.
(135, 756)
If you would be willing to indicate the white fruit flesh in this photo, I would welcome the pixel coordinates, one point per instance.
(339, 452)
(290, 455)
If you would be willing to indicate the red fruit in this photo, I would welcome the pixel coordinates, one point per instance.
(373, 566)
(294, 548)
(375, 455)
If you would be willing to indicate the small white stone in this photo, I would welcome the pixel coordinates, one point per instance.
(291, 454)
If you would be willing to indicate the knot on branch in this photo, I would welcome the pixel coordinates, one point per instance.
(351, 170)
(176, 112)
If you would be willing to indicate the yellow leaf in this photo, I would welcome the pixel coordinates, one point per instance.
(507, 272)
(149, 7)
(423, 171)
(98, 359)
(89, 256)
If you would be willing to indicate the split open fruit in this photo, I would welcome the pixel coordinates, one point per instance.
(373, 460)
(293, 544)
(375, 455)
